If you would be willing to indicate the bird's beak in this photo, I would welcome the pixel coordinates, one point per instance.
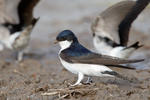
(55, 42)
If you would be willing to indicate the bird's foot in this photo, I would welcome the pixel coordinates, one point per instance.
(89, 81)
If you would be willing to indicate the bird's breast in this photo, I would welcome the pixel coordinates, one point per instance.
(21, 42)
(101, 46)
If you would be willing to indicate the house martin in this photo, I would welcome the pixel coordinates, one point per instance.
(81, 61)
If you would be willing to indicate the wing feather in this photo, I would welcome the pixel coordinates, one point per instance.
(107, 23)
(93, 58)
(25, 11)
(125, 25)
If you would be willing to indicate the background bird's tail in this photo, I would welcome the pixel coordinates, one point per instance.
(123, 77)
(136, 45)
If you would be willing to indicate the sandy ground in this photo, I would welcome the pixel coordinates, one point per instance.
(42, 77)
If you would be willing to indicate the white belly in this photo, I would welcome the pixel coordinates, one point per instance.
(101, 47)
(86, 69)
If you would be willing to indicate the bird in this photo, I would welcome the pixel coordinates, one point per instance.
(81, 61)
(111, 28)
(16, 36)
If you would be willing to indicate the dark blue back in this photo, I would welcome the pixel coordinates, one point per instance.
(76, 49)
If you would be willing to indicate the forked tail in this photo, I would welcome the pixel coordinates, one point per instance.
(119, 76)
(136, 45)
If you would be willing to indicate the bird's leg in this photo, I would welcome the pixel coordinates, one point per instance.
(20, 56)
(80, 77)
(89, 80)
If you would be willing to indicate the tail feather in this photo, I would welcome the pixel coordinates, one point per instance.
(132, 80)
(113, 73)
(121, 77)
(136, 45)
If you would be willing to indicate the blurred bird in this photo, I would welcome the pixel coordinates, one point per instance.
(16, 36)
(111, 28)
(79, 60)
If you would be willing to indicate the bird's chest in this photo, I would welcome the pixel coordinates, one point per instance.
(21, 42)
(70, 67)
(101, 46)
(9, 40)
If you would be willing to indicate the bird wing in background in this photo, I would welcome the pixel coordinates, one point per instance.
(125, 25)
(4, 16)
(7, 12)
(23, 9)
(108, 21)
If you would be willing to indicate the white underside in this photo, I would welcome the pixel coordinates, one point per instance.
(86, 69)
(102, 48)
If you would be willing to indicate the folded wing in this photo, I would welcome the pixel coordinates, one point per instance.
(93, 58)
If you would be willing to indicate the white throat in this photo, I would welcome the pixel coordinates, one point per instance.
(65, 44)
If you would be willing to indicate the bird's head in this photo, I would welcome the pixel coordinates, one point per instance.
(66, 38)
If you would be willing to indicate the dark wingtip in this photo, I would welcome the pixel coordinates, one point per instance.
(140, 60)
(137, 60)
(122, 66)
